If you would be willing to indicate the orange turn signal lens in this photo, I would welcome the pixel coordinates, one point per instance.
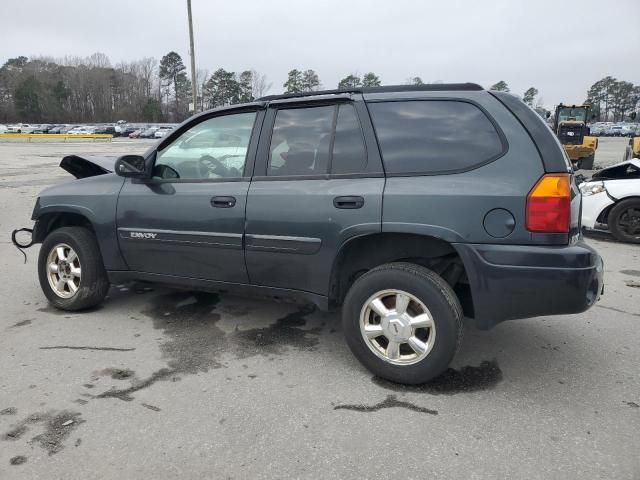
(549, 204)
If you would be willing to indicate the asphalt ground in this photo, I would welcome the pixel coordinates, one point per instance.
(162, 383)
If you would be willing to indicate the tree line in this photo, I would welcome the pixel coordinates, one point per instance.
(88, 90)
(610, 99)
(613, 100)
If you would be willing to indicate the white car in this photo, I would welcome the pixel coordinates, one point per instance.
(21, 128)
(81, 131)
(611, 201)
(3, 129)
(162, 132)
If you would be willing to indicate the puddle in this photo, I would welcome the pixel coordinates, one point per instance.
(468, 379)
(277, 337)
(390, 402)
(193, 342)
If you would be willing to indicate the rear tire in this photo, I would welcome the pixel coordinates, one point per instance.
(624, 220)
(70, 269)
(411, 347)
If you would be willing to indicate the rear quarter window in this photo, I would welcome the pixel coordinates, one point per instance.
(430, 137)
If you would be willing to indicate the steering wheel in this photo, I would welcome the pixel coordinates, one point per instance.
(208, 164)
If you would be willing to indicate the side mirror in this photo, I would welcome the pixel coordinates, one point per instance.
(132, 166)
(548, 114)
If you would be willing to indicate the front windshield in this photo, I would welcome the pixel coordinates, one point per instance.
(573, 114)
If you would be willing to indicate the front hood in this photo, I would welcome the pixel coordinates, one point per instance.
(88, 165)
(619, 171)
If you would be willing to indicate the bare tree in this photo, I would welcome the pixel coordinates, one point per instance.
(260, 84)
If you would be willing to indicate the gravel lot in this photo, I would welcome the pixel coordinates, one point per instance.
(175, 384)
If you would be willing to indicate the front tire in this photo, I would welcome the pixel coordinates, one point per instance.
(403, 322)
(624, 221)
(70, 269)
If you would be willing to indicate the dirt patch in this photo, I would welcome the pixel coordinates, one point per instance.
(15, 433)
(150, 407)
(116, 373)
(390, 402)
(125, 394)
(58, 425)
(23, 323)
(19, 460)
(632, 404)
(466, 380)
(9, 411)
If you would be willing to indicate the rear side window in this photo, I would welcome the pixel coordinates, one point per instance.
(315, 140)
(434, 136)
(300, 141)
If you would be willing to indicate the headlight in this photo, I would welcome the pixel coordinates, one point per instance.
(592, 188)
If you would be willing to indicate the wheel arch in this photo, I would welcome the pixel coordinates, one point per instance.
(50, 220)
(603, 216)
(360, 254)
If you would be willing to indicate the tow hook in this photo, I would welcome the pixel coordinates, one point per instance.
(22, 246)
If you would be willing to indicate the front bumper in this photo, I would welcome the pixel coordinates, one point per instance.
(593, 206)
(520, 281)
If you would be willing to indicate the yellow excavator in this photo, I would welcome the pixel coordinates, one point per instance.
(570, 125)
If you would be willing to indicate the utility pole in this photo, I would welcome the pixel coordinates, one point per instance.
(194, 87)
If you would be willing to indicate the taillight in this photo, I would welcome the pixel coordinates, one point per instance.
(549, 204)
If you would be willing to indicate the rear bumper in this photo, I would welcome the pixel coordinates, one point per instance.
(519, 281)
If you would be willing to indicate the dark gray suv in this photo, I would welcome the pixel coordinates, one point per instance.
(408, 207)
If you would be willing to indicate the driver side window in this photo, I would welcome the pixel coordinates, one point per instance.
(215, 148)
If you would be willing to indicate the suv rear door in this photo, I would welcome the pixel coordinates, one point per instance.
(318, 181)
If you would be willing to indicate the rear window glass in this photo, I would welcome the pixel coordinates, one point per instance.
(433, 136)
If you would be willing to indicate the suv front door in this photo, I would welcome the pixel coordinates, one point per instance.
(318, 182)
(188, 220)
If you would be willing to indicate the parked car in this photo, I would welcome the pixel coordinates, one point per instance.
(3, 128)
(611, 201)
(162, 131)
(67, 128)
(149, 132)
(126, 131)
(42, 128)
(21, 128)
(83, 130)
(56, 128)
(628, 130)
(105, 130)
(137, 133)
(296, 208)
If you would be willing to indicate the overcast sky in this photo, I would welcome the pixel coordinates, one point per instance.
(560, 47)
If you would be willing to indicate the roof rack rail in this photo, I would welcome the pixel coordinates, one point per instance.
(430, 87)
